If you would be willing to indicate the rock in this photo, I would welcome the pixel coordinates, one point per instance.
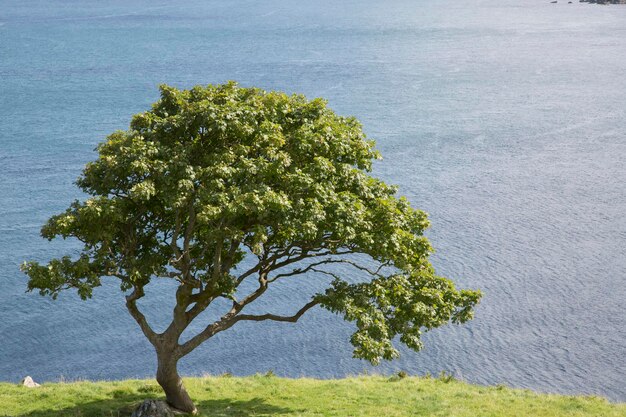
(153, 408)
(29, 383)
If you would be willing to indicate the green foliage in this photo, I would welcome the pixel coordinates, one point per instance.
(401, 304)
(214, 174)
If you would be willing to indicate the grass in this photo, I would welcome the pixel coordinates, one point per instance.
(263, 396)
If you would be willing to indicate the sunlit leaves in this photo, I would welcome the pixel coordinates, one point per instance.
(402, 304)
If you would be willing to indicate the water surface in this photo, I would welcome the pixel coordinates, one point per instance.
(505, 120)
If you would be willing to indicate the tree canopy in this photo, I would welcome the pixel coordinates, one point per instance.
(216, 174)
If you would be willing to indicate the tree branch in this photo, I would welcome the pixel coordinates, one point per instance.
(230, 318)
(290, 319)
(277, 265)
(311, 267)
(298, 271)
(227, 320)
(174, 238)
(188, 236)
(131, 305)
(263, 267)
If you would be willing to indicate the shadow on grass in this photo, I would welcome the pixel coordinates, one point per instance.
(225, 407)
(123, 406)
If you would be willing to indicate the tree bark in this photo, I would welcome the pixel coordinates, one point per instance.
(168, 378)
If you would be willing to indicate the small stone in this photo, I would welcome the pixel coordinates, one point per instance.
(28, 382)
(153, 408)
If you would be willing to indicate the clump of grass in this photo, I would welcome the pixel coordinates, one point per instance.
(397, 377)
(150, 389)
(445, 377)
(120, 393)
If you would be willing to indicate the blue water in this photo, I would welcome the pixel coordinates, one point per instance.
(504, 119)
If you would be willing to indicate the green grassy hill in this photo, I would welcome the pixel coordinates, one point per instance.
(258, 396)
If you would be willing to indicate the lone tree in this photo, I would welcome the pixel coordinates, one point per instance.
(214, 175)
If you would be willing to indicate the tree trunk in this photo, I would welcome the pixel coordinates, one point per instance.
(168, 378)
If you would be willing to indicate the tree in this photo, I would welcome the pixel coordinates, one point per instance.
(214, 175)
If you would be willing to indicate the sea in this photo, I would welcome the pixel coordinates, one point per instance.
(505, 120)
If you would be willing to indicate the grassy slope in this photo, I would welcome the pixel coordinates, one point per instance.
(272, 396)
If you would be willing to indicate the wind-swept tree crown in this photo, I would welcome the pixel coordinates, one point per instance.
(215, 174)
